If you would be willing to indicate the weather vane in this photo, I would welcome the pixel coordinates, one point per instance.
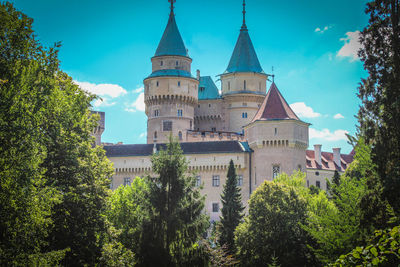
(244, 14)
(172, 4)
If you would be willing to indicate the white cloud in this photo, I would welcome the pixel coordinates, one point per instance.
(138, 90)
(304, 111)
(351, 46)
(142, 135)
(103, 102)
(324, 29)
(338, 116)
(328, 135)
(137, 105)
(102, 89)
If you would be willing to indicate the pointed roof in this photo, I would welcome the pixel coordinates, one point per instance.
(171, 43)
(274, 107)
(207, 88)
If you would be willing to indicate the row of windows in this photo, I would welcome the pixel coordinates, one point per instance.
(244, 85)
(157, 113)
(180, 136)
(216, 180)
(162, 63)
(244, 115)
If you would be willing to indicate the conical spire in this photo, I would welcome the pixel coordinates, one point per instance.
(171, 43)
(274, 107)
(244, 57)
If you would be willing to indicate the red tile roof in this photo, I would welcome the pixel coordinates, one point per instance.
(274, 107)
(327, 161)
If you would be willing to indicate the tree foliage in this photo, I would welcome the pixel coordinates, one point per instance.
(379, 114)
(232, 209)
(272, 228)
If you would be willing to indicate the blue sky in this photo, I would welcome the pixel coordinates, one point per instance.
(107, 46)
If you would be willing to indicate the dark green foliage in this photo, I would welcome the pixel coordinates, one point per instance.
(314, 190)
(53, 183)
(383, 250)
(379, 114)
(272, 228)
(232, 210)
(176, 221)
(332, 184)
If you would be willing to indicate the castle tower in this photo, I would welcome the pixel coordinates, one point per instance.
(243, 82)
(170, 90)
(278, 138)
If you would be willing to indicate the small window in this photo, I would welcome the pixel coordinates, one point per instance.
(191, 125)
(244, 85)
(240, 180)
(156, 113)
(229, 86)
(167, 126)
(209, 105)
(213, 129)
(276, 131)
(198, 181)
(198, 106)
(157, 83)
(215, 180)
(177, 63)
(299, 167)
(308, 183)
(161, 63)
(215, 207)
(316, 173)
(180, 135)
(318, 184)
(180, 112)
(275, 171)
(179, 83)
(127, 181)
(244, 115)
(155, 135)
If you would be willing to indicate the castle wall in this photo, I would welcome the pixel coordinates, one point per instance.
(210, 114)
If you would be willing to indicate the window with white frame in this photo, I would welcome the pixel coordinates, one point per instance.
(167, 126)
(240, 180)
(127, 181)
(198, 180)
(215, 207)
(276, 169)
(215, 180)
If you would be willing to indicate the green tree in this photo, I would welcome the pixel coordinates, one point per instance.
(272, 229)
(379, 114)
(232, 209)
(176, 218)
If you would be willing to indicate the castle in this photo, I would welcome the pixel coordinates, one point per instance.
(256, 129)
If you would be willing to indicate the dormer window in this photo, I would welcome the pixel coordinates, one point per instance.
(201, 89)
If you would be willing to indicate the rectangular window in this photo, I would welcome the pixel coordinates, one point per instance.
(167, 126)
(198, 181)
(213, 129)
(229, 86)
(156, 113)
(240, 180)
(215, 207)
(215, 180)
(244, 104)
(180, 112)
(275, 171)
(308, 183)
(179, 83)
(318, 184)
(127, 181)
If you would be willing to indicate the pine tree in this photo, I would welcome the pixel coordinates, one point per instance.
(232, 209)
(379, 114)
(176, 219)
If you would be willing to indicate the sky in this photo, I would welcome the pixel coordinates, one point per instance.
(311, 45)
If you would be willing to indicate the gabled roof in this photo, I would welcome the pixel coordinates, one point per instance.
(188, 148)
(207, 88)
(274, 107)
(244, 57)
(171, 43)
(327, 161)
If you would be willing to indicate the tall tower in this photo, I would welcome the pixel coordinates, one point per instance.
(170, 90)
(243, 82)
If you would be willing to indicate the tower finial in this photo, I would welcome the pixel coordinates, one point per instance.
(172, 5)
(244, 15)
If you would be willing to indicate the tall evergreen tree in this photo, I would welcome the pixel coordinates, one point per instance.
(176, 219)
(232, 209)
(379, 114)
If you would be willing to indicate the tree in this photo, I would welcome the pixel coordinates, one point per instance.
(379, 114)
(176, 219)
(232, 209)
(272, 229)
(54, 183)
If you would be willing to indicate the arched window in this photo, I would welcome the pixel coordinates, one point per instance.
(179, 83)
(244, 85)
(161, 63)
(180, 135)
(155, 135)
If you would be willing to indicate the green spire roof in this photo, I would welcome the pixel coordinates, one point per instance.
(171, 43)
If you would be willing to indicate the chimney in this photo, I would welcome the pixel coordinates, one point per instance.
(198, 74)
(317, 151)
(336, 157)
